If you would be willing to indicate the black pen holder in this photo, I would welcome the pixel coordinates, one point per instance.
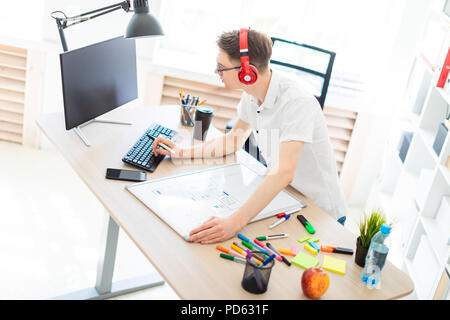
(256, 279)
(187, 115)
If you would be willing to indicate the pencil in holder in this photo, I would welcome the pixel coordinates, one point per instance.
(187, 115)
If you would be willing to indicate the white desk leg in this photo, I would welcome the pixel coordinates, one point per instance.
(104, 287)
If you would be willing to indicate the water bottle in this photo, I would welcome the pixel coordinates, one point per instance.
(376, 258)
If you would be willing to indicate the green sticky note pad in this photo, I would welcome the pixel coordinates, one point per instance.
(333, 264)
(304, 260)
(303, 239)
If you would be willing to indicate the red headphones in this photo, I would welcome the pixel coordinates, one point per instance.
(248, 73)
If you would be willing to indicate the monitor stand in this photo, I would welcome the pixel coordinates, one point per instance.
(83, 137)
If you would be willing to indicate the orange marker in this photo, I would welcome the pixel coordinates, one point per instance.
(327, 248)
(288, 252)
(334, 249)
(202, 103)
(228, 251)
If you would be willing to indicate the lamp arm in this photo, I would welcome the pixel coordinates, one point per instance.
(125, 5)
(62, 22)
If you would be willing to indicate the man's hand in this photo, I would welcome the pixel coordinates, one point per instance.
(157, 151)
(214, 230)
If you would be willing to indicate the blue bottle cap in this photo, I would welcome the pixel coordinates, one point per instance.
(385, 228)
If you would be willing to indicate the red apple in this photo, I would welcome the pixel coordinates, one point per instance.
(315, 282)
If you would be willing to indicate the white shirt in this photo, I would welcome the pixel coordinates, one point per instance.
(289, 112)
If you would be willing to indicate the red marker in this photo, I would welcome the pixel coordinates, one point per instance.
(259, 243)
(281, 215)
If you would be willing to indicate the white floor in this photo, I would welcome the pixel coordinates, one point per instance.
(50, 230)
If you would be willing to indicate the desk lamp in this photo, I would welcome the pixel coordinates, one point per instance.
(142, 23)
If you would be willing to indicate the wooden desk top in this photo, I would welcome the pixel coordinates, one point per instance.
(196, 271)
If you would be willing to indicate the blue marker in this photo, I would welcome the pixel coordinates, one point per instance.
(267, 260)
(315, 246)
(242, 237)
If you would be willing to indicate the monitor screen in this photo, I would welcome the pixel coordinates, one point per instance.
(97, 79)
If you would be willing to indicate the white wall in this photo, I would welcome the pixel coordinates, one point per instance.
(21, 19)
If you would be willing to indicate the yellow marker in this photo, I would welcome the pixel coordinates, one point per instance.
(310, 249)
(239, 250)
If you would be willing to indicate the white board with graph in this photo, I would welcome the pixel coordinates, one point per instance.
(185, 201)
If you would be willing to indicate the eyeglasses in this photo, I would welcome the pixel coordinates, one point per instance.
(220, 70)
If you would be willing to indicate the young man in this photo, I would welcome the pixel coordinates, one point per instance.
(289, 127)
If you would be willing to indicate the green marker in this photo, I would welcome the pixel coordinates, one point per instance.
(226, 256)
(306, 224)
(248, 245)
(272, 236)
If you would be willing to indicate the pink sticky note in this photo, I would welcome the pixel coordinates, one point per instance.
(294, 249)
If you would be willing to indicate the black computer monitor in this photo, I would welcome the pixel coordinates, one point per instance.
(97, 79)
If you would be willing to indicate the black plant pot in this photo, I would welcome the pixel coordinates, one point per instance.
(360, 255)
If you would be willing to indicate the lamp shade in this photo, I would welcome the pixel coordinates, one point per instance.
(142, 23)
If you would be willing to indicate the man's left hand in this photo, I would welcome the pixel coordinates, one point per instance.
(214, 230)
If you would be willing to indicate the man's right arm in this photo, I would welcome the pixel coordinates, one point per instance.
(219, 147)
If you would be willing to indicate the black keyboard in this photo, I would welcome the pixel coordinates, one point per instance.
(141, 154)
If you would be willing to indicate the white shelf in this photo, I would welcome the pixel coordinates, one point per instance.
(428, 137)
(445, 173)
(439, 188)
(437, 235)
(410, 271)
(420, 153)
(444, 95)
(424, 268)
(421, 221)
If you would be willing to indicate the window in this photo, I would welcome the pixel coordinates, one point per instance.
(360, 32)
(21, 20)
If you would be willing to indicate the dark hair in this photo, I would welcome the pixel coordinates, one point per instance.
(259, 47)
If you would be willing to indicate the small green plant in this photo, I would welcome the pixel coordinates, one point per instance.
(369, 225)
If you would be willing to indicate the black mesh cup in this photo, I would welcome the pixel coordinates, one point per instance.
(186, 115)
(203, 117)
(256, 279)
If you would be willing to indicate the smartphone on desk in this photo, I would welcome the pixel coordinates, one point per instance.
(127, 175)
